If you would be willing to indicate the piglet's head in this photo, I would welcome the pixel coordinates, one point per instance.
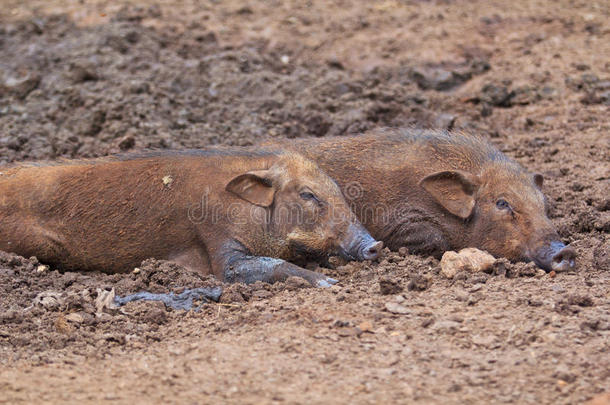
(306, 211)
(505, 213)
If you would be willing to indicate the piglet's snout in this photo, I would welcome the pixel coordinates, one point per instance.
(358, 244)
(372, 250)
(556, 256)
(564, 259)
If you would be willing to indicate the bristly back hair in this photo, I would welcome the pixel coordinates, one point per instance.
(149, 154)
(442, 140)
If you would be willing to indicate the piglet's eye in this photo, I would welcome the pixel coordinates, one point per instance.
(306, 195)
(502, 204)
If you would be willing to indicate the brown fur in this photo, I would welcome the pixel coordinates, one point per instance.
(437, 191)
(109, 214)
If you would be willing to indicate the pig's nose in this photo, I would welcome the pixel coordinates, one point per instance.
(564, 260)
(371, 251)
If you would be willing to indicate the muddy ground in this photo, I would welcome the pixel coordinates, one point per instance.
(80, 79)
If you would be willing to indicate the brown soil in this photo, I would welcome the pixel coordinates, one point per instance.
(81, 80)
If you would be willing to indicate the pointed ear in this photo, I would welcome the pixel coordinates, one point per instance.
(453, 189)
(254, 187)
(538, 179)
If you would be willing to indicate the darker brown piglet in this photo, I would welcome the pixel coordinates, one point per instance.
(434, 191)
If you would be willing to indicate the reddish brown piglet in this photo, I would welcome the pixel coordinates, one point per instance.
(240, 215)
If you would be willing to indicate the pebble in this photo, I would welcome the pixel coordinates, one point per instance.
(396, 308)
(42, 268)
(470, 259)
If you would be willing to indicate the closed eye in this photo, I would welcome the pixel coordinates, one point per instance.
(502, 204)
(306, 195)
(309, 196)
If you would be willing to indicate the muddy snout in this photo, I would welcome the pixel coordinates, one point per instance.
(556, 257)
(358, 244)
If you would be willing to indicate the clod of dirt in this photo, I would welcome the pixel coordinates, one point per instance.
(571, 304)
(82, 72)
(601, 399)
(296, 283)
(49, 300)
(366, 326)
(496, 95)
(580, 300)
(388, 286)
(448, 326)
(75, 318)
(524, 270)
(236, 293)
(563, 373)
(19, 87)
(418, 283)
(601, 255)
(446, 76)
(470, 259)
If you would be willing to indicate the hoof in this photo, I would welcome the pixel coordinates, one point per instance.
(326, 283)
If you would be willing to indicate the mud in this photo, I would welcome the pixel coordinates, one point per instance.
(79, 80)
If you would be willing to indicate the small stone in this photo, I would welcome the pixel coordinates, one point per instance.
(403, 251)
(470, 259)
(42, 268)
(104, 301)
(285, 59)
(136, 270)
(396, 308)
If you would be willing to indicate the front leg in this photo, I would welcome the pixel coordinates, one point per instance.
(250, 269)
(240, 267)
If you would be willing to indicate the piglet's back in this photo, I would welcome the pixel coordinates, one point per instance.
(94, 214)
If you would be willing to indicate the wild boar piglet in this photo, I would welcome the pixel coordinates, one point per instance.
(241, 215)
(434, 191)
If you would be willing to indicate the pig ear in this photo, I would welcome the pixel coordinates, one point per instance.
(254, 187)
(454, 190)
(538, 179)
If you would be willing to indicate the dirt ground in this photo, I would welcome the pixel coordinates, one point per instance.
(89, 78)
